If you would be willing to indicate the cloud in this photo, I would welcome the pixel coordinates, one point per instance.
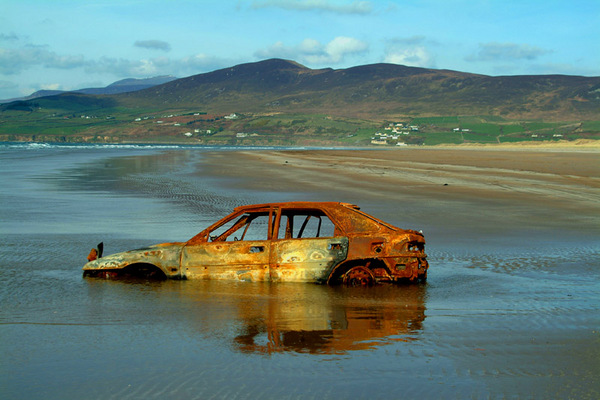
(153, 45)
(4, 85)
(51, 86)
(408, 41)
(130, 68)
(506, 52)
(201, 62)
(416, 56)
(311, 51)
(355, 7)
(339, 47)
(411, 51)
(10, 36)
(155, 66)
(13, 61)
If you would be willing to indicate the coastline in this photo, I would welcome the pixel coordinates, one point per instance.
(579, 144)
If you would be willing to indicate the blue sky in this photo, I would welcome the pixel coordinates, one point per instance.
(72, 44)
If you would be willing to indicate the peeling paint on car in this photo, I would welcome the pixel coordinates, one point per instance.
(320, 242)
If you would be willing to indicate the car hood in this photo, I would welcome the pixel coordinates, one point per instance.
(162, 255)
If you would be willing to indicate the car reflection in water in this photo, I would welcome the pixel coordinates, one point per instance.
(326, 320)
(266, 318)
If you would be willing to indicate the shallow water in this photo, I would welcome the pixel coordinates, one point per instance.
(498, 318)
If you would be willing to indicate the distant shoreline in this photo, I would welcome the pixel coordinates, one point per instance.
(562, 145)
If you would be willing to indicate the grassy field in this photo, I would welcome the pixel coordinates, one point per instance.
(494, 129)
(102, 123)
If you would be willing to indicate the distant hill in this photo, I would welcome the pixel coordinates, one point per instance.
(280, 102)
(122, 86)
(378, 90)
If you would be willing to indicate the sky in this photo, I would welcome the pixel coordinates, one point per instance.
(74, 44)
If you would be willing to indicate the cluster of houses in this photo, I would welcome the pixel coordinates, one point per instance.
(84, 116)
(245, 134)
(197, 132)
(138, 119)
(187, 134)
(393, 134)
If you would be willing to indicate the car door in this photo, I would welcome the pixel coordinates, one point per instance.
(306, 247)
(236, 250)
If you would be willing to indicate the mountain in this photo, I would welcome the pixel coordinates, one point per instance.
(122, 86)
(377, 90)
(130, 85)
(374, 92)
(281, 102)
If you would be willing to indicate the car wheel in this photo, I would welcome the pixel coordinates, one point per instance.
(358, 276)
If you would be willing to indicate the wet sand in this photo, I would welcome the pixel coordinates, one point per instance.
(510, 309)
(484, 189)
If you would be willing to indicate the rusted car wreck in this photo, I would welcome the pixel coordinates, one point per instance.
(321, 242)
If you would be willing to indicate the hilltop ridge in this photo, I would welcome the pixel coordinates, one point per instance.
(375, 90)
(121, 86)
(280, 101)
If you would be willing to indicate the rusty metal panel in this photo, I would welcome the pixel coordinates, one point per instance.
(239, 260)
(164, 256)
(357, 248)
(306, 260)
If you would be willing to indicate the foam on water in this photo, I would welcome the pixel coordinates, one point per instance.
(148, 146)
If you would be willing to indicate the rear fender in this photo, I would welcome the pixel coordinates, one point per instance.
(377, 267)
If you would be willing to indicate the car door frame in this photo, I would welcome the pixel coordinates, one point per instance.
(305, 259)
(247, 260)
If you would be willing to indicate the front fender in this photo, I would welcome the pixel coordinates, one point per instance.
(165, 256)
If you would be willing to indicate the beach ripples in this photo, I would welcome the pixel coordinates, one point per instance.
(499, 317)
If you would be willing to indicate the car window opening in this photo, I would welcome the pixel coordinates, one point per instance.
(304, 225)
(250, 226)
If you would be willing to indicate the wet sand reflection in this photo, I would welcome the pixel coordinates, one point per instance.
(266, 318)
(317, 319)
(262, 317)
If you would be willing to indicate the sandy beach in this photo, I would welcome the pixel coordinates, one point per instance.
(515, 188)
(510, 308)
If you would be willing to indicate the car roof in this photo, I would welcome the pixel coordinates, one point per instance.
(336, 209)
(298, 205)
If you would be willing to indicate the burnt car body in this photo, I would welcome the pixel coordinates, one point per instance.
(321, 242)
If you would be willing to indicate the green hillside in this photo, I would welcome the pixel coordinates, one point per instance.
(279, 102)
